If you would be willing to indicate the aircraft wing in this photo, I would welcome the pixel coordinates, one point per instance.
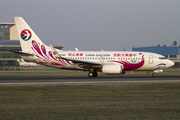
(80, 63)
(84, 64)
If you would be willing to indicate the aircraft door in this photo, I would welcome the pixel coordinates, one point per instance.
(151, 59)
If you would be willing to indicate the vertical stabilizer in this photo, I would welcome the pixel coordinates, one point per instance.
(26, 35)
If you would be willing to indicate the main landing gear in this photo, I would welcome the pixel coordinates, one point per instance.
(92, 74)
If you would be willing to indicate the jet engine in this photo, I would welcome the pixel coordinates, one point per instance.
(112, 69)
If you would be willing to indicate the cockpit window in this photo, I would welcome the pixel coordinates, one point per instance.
(161, 58)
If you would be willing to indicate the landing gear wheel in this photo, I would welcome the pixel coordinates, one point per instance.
(154, 74)
(95, 74)
(92, 74)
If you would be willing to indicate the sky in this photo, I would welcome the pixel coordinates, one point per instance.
(111, 25)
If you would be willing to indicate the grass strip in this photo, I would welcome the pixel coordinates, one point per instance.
(157, 101)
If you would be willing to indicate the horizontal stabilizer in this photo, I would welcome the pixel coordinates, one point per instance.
(22, 53)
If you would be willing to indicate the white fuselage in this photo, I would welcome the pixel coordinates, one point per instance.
(128, 59)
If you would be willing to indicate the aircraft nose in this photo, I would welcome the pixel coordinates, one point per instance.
(170, 63)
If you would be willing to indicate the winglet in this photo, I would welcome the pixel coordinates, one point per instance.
(55, 53)
(76, 49)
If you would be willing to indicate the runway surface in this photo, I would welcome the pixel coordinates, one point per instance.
(57, 80)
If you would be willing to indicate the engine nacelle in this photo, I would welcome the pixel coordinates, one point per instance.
(112, 69)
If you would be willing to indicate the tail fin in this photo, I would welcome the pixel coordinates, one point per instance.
(55, 53)
(26, 35)
(22, 60)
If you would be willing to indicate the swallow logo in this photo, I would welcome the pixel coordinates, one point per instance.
(26, 34)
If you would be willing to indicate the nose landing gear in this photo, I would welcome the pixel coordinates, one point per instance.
(156, 71)
(154, 75)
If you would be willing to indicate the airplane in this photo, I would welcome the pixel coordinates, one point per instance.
(107, 62)
(26, 64)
